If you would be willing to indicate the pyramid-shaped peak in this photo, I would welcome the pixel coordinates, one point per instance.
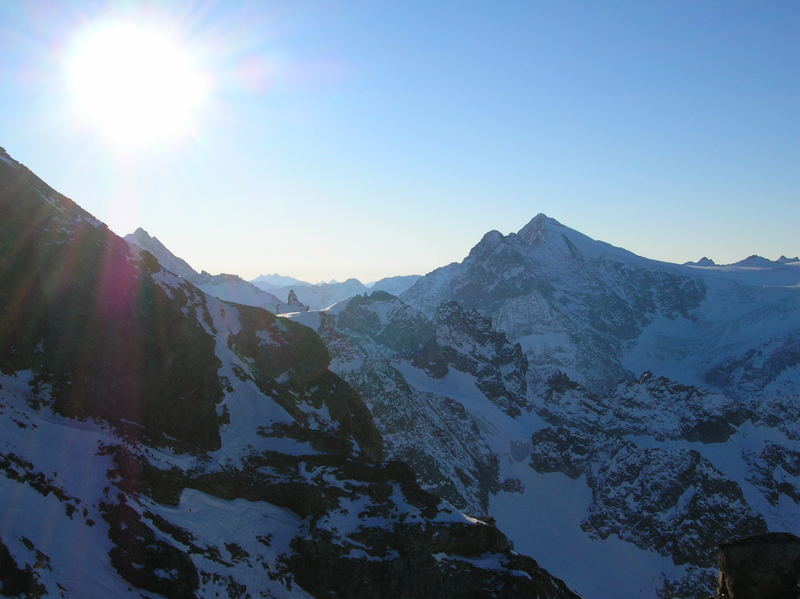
(147, 241)
(534, 231)
(165, 257)
(142, 234)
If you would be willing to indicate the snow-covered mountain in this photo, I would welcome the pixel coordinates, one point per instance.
(650, 409)
(756, 270)
(142, 239)
(602, 314)
(640, 482)
(617, 417)
(227, 287)
(157, 441)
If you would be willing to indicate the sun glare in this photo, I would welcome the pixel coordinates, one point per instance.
(136, 84)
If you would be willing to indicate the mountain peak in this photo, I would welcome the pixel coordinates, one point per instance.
(142, 235)
(704, 261)
(492, 235)
(534, 231)
(165, 257)
(755, 260)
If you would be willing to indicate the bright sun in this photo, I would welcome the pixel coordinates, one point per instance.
(136, 84)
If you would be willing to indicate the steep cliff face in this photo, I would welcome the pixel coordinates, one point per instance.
(156, 440)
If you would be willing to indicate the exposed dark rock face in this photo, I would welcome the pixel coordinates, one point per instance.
(146, 561)
(671, 500)
(16, 581)
(426, 575)
(674, 502)
(388, 322)
(764, 566)
(770, 468)
(273, 347)
(94, 325)
(467, 342)
(428, 551)
(292, 299)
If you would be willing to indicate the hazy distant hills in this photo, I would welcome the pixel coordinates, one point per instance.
(276, 281)
(395, 285)
(751, 261)
(755, 270)
(322, 295)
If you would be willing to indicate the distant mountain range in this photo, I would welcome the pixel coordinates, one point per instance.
(322, 295)
(271, 292)
(751, 261)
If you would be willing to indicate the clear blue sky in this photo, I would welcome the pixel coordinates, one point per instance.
(379, 138)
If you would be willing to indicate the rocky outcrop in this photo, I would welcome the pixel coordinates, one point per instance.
(16, 581)
(758, 367)
(292, 304)
(320, 295)
(669, 499)
(775, 471)
(764, 566)
(466, 341)
(379, 345)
